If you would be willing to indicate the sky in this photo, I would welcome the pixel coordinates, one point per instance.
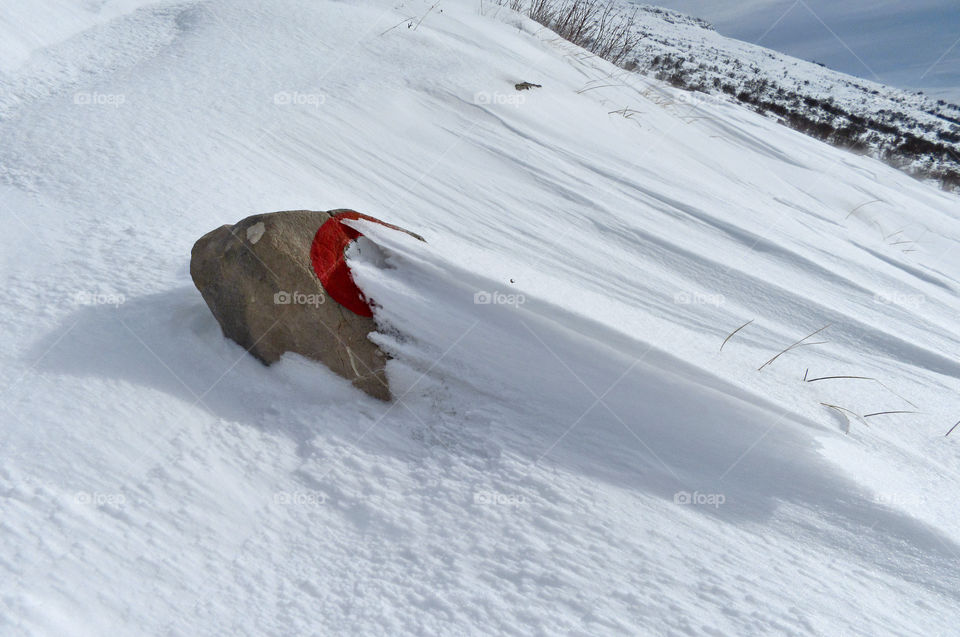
(911, 44)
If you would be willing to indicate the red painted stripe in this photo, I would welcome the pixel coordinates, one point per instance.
(326, 255)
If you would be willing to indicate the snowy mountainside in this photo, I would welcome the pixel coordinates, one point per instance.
(569, 452)
(909, 45)
(912, 131)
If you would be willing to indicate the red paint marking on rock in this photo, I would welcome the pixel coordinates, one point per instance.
(326, 255)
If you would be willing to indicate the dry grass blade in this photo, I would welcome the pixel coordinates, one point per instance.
(424, 16)
(813, 380)
(799, 343)
(584, 90)
(734, 332)
(883, 413)
(862, 205)
(404, 21)
(898, 395)
(626, 112)
(877, 381)
(951, 429)
(844, 411)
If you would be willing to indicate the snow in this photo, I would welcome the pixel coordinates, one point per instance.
(911, 45)
(849, 111)
(23, 34)
(575, 456)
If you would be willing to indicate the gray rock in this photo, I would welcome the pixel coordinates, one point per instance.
(257, 278)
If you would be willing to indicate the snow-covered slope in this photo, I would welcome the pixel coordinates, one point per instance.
(912, 45)
(911, 131)
(575, 457)
(26, 27)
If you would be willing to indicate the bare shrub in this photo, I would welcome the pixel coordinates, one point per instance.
(598, 26)
(543, 11)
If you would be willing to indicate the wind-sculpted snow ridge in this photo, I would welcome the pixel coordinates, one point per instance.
(568, 450)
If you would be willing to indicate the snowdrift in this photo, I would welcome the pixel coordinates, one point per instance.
(569, 451)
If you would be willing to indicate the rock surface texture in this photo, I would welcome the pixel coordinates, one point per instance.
(259, 281)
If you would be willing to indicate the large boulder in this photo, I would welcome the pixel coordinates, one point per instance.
(264, 287)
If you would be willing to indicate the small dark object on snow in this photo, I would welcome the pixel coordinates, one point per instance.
(525, 86)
